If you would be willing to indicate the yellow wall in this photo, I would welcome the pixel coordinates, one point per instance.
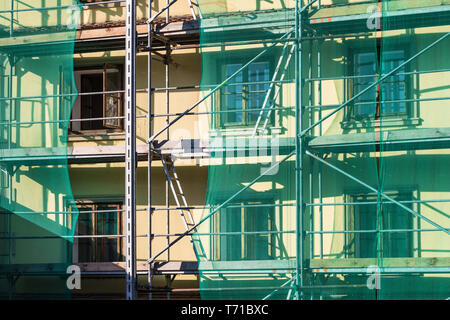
(107, 180)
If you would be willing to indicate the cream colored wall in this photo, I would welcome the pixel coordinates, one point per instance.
(184, 71)
(430, 85)
(40, 180)
(108, 183)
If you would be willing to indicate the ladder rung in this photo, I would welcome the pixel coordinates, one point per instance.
(173, 178)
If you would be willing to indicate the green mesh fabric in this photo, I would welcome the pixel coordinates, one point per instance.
(346, 203)
(245, 246)
(37, 91)
(414, 169)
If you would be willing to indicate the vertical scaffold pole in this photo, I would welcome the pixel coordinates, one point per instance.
(11, 23)
(10, 168)
(167, 83)
(11, 100)
(299, 151)
(320, 177)
(130, 155)
(319, 102)
(311, 167)
(149, 158)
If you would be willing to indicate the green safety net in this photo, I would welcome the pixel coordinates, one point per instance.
(414, 133)
(357, 207)
(246, 246)
(37, 91)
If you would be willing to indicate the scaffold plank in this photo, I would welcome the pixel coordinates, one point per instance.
(393, 140)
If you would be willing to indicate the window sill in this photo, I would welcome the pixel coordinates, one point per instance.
(387, 122)
(91, 5)
(246, 131)
(100, 135)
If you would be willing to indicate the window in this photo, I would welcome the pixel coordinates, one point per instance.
(5, 248)
(99, 223)
(258, 246)
(106, 105)
(103, 2)
(393, 89)
(394, 244)
(244, 94)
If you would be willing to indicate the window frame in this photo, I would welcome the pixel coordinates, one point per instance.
(246, 241)
(408, 118)
(8, 246)
(93, 205)
(352, 222)
(222, 75)
(75, 128)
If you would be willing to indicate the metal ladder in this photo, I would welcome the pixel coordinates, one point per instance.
(193, 3)
(178, 194)
(269, 102)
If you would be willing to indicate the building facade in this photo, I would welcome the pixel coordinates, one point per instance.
(298, 149)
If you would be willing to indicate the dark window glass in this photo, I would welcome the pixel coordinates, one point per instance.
(251, 241)
(393, 89)
(99, 223)
(244, 94)
(392, 217)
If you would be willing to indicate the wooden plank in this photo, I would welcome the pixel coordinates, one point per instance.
(36, 39)
(191, 267)
(178, 28)
(181, 267)
(362, 8)
(273, 266)
(176, 267)
(387, 262)
(172, 29)
(74, 154)
(282, 19)
(395, 140)
(109, 266)
(189, 148)
(415, 139)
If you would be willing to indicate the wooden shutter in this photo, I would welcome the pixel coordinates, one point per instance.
(112, 102)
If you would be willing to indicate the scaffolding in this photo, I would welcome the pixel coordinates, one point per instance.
(304, 273)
